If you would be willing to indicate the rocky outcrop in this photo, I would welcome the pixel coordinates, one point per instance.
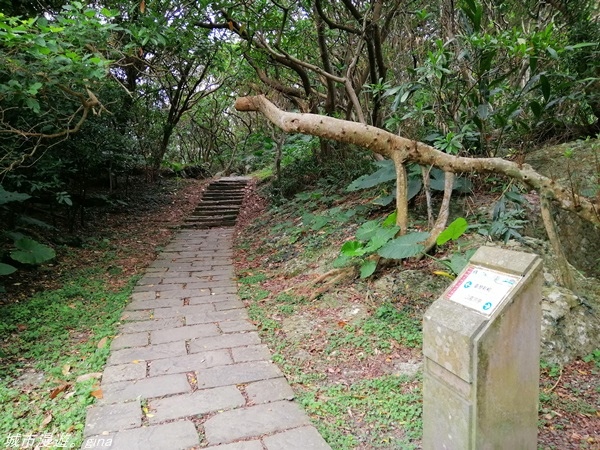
(570, 325)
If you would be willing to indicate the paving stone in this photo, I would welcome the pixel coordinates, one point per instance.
(175, 274)
(254, 421)
(304, 438)
(199, 285)
(208, 298)
(224, 341)
(161, 263)
(199, 402)
(129, 340)
(146, 388)
(177, 280)
(153, 304)
(183, 333)
(251, 353)
(148, 353)
(149, 295)
(183, 293)
(237, 373)
(147, 280)
(120, 416)
(244, 445)
(233, 326)
(228, 304)
(157, 288)
(211, 284)
(188, 363)
(136, 315)
(223, 290)
(216, 316)
(124, 372)
(180, 311)
(148, 325)
(272, 390)
(168, 436)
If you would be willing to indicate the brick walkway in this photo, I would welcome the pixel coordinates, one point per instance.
(188, 369)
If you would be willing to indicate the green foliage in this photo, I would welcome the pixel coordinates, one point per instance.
(387, 173)
(48, 332)
(308, 171)
(7, 269)
(508, 217)
(493, 85)
(371, 235)
(392, 406)
(32, 252)
(7, 197)
(386, 328)
(453, 231)
(593, 357)
(406, 246)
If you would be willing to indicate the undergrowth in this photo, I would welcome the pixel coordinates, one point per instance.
(53, 345)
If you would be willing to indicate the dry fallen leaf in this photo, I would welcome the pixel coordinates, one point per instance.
(97, 393)
(89, 376)
(102, 342)
(66, 369)
(59, 389)
(46, 420)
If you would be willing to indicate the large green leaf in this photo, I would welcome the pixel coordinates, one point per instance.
(386, 173)
(7, 196)
(405, 246)
(453, 231)
(353, 248)
(7, 269)
(367, 230)
(30, 251)
(367, 268)
(381, 237)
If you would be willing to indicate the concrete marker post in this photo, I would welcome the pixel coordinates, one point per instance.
(481, 347)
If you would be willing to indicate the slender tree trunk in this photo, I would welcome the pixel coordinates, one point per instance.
(565, 273)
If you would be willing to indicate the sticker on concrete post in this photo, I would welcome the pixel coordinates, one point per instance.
(482, 289)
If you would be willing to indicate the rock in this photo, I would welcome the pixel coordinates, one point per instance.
(570, 325)
(409, 369)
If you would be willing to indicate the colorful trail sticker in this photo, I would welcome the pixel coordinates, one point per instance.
(482, 289)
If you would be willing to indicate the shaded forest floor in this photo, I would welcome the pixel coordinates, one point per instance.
(57, 320)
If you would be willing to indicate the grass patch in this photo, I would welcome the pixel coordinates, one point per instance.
(376, 333)
(387, 410)
(56, 336)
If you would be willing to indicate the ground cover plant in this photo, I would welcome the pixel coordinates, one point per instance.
(57, 320)
(353, 352)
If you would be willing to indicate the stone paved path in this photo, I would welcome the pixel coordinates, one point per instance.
(188, 369)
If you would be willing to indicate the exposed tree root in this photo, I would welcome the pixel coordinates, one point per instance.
(333, 277)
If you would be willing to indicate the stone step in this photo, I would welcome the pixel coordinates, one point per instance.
(228, 212)
(220, 204)
(211, 203)
(222, 197)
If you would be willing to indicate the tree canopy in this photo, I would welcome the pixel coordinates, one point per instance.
(90, 92)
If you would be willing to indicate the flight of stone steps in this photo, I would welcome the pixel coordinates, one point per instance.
(220, 204)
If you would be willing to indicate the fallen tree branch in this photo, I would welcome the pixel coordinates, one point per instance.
(403, 149)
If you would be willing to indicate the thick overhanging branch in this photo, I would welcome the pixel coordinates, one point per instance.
(403, 149)
(88, 104)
